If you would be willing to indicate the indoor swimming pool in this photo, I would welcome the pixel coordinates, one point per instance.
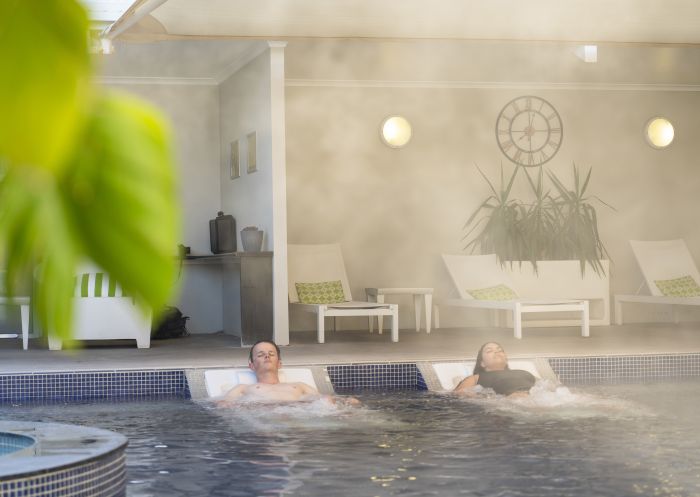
(613, 440)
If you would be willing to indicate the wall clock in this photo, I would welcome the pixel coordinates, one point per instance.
(529, 131)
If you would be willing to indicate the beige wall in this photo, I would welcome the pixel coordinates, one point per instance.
(245, 107)
(395, 211)
(206, 118)
(193, 112)
(252, 101)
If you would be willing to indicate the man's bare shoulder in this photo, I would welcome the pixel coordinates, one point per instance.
(233, 395)
(237, 391)
(306, 389)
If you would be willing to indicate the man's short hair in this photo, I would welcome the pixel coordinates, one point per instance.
(250, 354)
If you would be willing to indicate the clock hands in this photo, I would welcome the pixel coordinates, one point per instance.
(529, 131)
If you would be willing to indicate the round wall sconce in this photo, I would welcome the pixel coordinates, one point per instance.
(658, 132)
(395, 131)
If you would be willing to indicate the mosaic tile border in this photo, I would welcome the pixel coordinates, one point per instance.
(173, 384)
(391, 376)
(625, 369)
(93, 385)
(101, 477)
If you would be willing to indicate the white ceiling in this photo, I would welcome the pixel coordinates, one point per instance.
(106, 10)
(637, 21)
(203, 61)
(640, 41)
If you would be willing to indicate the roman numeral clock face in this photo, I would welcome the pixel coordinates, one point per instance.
(529, 131)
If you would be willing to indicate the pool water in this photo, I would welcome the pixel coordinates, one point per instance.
(596, 441)
(11, 443)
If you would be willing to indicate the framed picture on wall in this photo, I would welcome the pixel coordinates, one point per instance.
(252, 152)
(235, 159)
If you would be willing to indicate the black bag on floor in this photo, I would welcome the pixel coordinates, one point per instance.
(172, 324)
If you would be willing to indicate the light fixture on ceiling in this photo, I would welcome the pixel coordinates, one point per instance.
(395, 131)
(587, 53)
(659, 132)
(107, 46)
(98, 43)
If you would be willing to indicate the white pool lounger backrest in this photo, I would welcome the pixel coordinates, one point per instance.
(451, 373)
(220, 381)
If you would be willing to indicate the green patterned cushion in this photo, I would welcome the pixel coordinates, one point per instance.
(498, 292)
(324, 292)
(685, 286)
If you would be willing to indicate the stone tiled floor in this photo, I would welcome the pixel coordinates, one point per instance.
(218, 350)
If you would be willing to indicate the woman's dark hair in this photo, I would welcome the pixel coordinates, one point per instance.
(478, 368)
(250, 354)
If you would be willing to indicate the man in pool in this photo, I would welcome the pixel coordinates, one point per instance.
(491, 371)
(265, 360)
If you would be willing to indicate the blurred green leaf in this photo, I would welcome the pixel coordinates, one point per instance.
(44, 87)
(121, 193)
(101, 186)
(34, 228)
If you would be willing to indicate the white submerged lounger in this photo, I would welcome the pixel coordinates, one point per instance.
(220, 381)
(451, 373)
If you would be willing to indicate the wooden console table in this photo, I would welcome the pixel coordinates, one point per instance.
(247, 292)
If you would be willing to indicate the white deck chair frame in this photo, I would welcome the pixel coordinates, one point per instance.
(23, 303)
(470, 272)
(317, 263)
(660, 260)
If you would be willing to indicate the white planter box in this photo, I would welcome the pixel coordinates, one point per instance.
(562, 279)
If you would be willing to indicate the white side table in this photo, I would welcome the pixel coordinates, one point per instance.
(419, 294)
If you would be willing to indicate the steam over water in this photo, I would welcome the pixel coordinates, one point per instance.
(616, 441)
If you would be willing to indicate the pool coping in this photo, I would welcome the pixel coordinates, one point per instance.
(59, 448)
(291, 363)
(123, 385)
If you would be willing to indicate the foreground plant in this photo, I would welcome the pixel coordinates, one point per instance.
(85, 174)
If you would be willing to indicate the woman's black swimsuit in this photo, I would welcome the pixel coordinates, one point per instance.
(507, 381)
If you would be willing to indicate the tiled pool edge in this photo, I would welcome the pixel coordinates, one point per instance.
(93, 385)
(153, 384)
(595, 370)
(389, 376)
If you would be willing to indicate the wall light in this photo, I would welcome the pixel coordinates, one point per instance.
(658, 132)
(395, 131)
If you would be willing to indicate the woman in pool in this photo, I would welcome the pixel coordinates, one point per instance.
(491, 371)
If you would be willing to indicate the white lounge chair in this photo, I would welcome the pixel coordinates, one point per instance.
(475, 272)
(324, 263)
(660, 261)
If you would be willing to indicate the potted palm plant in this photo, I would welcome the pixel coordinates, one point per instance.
(558, 224)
